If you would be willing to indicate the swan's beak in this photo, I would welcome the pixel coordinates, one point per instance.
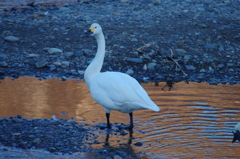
(236, 136)
(89, 31)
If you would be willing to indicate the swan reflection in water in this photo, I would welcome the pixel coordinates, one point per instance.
(129, 139)
(126, 149)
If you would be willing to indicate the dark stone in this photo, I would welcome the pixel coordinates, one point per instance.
(138, 144)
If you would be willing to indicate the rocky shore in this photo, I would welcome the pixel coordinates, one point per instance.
(61, 137)
(48, 40)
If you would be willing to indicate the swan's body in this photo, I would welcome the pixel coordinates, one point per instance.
(114, 90)
(236, 133)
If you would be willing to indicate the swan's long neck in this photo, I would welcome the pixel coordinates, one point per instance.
(96, 65)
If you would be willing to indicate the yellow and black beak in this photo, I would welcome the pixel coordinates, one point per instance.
(90, 30)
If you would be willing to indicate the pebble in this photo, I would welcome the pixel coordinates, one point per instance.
(138, 144)
(68, 54)
(213, 82)
(202, 70)
(33, 55)
(57, 63)
(81, 72)
(11, 38)
(144, 67)
(2, 57)
(36, 141)
(65, 9)
(200, 77)
(187, 57)
(65, 64)
(181, 51)
(209, 46)
(3, 64)
(160, 78)
(117, 157)
(122, 132)
(220, 65)
(16, 134)
(78, 53)
(230, 64)
(134, 60)
(87, 52)
(208, 60)
(52, 149)
(191, 67)
(130, 72)
(41, 63)
(151, 66)
(54, 50)
(134, 40)
(211, 70)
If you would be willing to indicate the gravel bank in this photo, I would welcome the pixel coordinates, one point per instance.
(50, 42)
(63, 138)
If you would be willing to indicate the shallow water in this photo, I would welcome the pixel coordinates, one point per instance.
(196, 119)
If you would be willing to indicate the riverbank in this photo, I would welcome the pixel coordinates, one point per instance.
(60, 138)
(50, 42)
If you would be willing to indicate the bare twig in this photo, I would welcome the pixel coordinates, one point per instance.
(171, 57)
(140, 50)
(170, 83)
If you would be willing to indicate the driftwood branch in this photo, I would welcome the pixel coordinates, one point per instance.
(171, 58)
(140, 50)
(170, 83)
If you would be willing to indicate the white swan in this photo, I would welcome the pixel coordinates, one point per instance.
(114, 90)
(236, 133)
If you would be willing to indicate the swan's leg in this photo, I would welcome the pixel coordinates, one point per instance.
(131, 121)
(108, 122)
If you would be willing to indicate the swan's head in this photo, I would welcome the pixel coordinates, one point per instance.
(236, 133)
(95, 29)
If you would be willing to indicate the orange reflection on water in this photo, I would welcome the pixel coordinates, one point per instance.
(195, 120)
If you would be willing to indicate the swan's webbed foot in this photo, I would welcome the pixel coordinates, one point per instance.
(126, 127)
(130, 127)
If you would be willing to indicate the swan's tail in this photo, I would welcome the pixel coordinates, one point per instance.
(154, 108)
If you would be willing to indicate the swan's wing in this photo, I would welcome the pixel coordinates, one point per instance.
(114, 89)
